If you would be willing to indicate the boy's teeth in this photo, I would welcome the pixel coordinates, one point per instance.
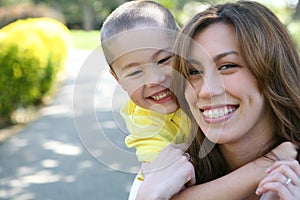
(159, 97)
(215, 113)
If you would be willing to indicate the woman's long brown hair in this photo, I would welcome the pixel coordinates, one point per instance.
(271, 56)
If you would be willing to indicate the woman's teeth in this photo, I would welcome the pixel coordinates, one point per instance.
(161, 96)
(216, 113)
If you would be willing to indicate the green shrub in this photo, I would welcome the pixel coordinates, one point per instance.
(32, 53)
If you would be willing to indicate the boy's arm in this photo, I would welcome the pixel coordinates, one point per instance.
(242, 182)
(167, 174)
(239, 184)
(150, 132)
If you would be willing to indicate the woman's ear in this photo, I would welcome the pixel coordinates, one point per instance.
(114, 74)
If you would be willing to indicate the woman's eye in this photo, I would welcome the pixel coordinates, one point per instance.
(164, 60)
(195, 71)
(228, 69)
(227, 66)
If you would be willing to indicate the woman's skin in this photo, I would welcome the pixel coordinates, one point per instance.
(225, 99)
(230, 114)
(229, 107)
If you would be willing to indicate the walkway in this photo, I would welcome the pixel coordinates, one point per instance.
(75, 149)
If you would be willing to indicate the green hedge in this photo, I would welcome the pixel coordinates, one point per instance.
(32, 53)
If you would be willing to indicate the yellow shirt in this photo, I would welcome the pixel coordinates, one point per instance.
(151, 132)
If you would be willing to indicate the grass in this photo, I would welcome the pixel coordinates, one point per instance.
(87, 40)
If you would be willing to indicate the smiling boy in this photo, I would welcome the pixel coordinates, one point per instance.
(137, 40)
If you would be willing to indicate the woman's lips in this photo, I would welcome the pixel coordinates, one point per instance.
(218, 114)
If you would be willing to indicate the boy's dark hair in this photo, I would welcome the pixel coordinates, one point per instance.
(135, 13)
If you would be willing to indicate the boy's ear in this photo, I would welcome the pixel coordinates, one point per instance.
(114, 75)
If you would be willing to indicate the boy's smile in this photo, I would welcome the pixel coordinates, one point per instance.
(162, 96)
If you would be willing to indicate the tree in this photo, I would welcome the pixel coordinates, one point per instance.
(296, 15)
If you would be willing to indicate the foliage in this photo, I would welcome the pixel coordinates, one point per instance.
(76, 12)
(9, 14)
(88, 40)
(32, 53)
(294, 28)
(80, 13)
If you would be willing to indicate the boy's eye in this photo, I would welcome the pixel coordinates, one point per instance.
(164, 60)
(134, 73)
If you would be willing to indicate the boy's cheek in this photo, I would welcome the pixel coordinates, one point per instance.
(131, 87)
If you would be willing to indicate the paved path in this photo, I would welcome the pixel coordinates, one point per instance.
(75, 149)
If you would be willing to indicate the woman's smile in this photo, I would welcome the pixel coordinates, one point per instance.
(226, 111)
(218, 114)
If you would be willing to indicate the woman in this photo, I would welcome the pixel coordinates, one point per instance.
(246, 98)
(247, 103)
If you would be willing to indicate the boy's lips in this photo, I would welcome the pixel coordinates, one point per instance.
(161, 95)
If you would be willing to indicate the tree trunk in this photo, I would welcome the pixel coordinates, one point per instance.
(88, 17)
(296, 15)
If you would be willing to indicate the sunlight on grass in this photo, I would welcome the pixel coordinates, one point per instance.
(88, 40)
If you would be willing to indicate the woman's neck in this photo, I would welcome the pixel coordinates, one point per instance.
(246, 149)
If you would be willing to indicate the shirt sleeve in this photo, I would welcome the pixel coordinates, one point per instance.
(150, 131)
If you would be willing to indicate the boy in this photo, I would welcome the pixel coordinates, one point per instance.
(137, 39)
(140, 60)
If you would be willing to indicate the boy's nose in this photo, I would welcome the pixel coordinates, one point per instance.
(155, 76)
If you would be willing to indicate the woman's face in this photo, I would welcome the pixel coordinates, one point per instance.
(223, 95)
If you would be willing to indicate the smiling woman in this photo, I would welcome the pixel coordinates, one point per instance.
(221, 105)
(244, 95)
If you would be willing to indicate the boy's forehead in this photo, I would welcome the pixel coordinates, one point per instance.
(139, 39)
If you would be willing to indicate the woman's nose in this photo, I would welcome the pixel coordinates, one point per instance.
(211, 86)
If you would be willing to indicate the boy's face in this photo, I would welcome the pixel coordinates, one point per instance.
(146, 75)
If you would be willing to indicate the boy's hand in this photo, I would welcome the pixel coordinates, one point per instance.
(167, 175)
(285, 151)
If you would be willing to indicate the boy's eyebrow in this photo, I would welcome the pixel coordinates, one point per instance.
(129, 65)
(134, 64)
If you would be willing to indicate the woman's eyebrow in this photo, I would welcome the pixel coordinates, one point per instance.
(217, 57)
(156, 54)
(194, 61)
(221, 55)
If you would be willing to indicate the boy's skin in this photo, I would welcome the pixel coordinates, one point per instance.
(141, 63)
(146, 74)
(239, 184)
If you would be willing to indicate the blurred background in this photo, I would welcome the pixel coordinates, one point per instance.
(54, 82)
(89, 15)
